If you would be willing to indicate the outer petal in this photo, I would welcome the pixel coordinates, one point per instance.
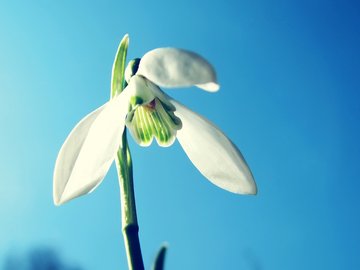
(170, 67)
(212, 153)
(89, 150)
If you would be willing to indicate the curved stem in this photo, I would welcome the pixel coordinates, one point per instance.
(130, 226)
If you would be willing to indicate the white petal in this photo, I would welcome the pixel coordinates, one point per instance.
(140, 90)
(212, 153)
(170, 67)
(89, 150)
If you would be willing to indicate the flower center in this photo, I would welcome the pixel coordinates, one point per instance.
(154, 119)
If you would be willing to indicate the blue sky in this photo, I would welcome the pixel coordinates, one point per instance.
(289, 99)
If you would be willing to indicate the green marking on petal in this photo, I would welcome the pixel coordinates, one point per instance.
(153, 120)
(135, 100)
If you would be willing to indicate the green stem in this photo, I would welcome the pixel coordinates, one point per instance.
(130, 226)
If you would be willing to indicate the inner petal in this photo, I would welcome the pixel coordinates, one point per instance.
(154, 120)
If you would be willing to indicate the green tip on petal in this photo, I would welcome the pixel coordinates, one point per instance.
(136, 100)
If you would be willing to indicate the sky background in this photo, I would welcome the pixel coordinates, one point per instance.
(289, 99)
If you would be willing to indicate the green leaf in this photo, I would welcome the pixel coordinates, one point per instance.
(118, 70)
(160, 259)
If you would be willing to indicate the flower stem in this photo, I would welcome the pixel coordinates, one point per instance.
(130, 226)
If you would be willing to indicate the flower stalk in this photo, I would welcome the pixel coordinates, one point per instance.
(129, 222)
(130, 227)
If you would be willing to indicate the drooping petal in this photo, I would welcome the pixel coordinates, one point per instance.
(212, 153)
(89, 150)
(170, 67)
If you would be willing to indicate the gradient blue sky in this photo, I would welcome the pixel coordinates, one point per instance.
(289, 72)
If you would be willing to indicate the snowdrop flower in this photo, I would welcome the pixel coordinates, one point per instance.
(149, 113)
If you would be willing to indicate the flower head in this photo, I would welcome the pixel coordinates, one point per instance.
(149, 113)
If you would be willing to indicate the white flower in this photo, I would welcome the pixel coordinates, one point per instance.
(148, 112)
